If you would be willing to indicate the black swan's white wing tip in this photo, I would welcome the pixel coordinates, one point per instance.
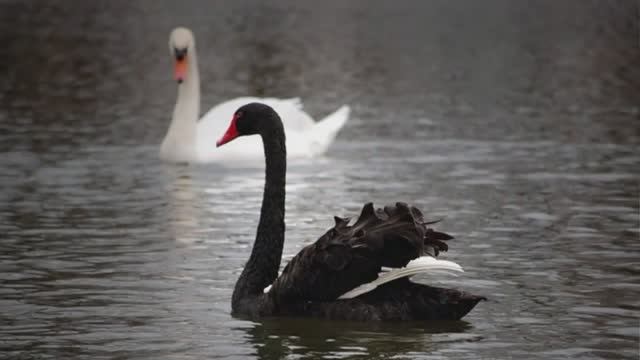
(422, 264)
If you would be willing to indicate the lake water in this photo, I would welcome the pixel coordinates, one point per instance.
(515, 122)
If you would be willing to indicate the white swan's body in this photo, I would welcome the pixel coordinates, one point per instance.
(190, 140)
(423, 264)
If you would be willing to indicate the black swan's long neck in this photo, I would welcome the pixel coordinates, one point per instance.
(263, 265)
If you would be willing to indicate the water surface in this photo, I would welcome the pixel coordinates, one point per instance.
(516, 124)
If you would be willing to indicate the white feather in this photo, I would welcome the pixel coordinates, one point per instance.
(416, 266)
(420, 265)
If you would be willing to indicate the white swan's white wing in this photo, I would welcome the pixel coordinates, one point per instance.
(305, 138)
(216, 120)
(322, 134)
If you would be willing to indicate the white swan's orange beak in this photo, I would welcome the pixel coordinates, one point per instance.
(232, 133)
(181, 69)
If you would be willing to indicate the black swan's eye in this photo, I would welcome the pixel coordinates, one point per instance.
(239, 114)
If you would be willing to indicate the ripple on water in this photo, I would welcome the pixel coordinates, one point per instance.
(109, 253)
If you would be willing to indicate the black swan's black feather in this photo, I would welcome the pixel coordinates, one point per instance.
(348, 256)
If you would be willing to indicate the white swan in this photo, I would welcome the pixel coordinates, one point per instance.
(190, 140)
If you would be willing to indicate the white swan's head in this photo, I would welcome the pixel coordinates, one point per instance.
(181, 45)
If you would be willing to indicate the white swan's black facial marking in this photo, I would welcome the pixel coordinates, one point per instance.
(180, 54)
(181, 64)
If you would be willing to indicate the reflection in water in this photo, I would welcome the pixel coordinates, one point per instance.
(514, 123)
(183, 203)
(310, 339)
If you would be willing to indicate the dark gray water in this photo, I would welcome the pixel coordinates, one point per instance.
(516, 122)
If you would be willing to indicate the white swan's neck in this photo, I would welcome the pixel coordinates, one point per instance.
(180, 142)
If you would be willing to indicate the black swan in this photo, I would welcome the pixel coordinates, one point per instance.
(340, 275)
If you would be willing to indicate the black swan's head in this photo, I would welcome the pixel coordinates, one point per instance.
(251, 119)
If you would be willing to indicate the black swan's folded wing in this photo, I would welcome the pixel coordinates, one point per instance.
(347, 256)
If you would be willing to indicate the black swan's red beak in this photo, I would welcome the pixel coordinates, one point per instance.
(232, 133)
